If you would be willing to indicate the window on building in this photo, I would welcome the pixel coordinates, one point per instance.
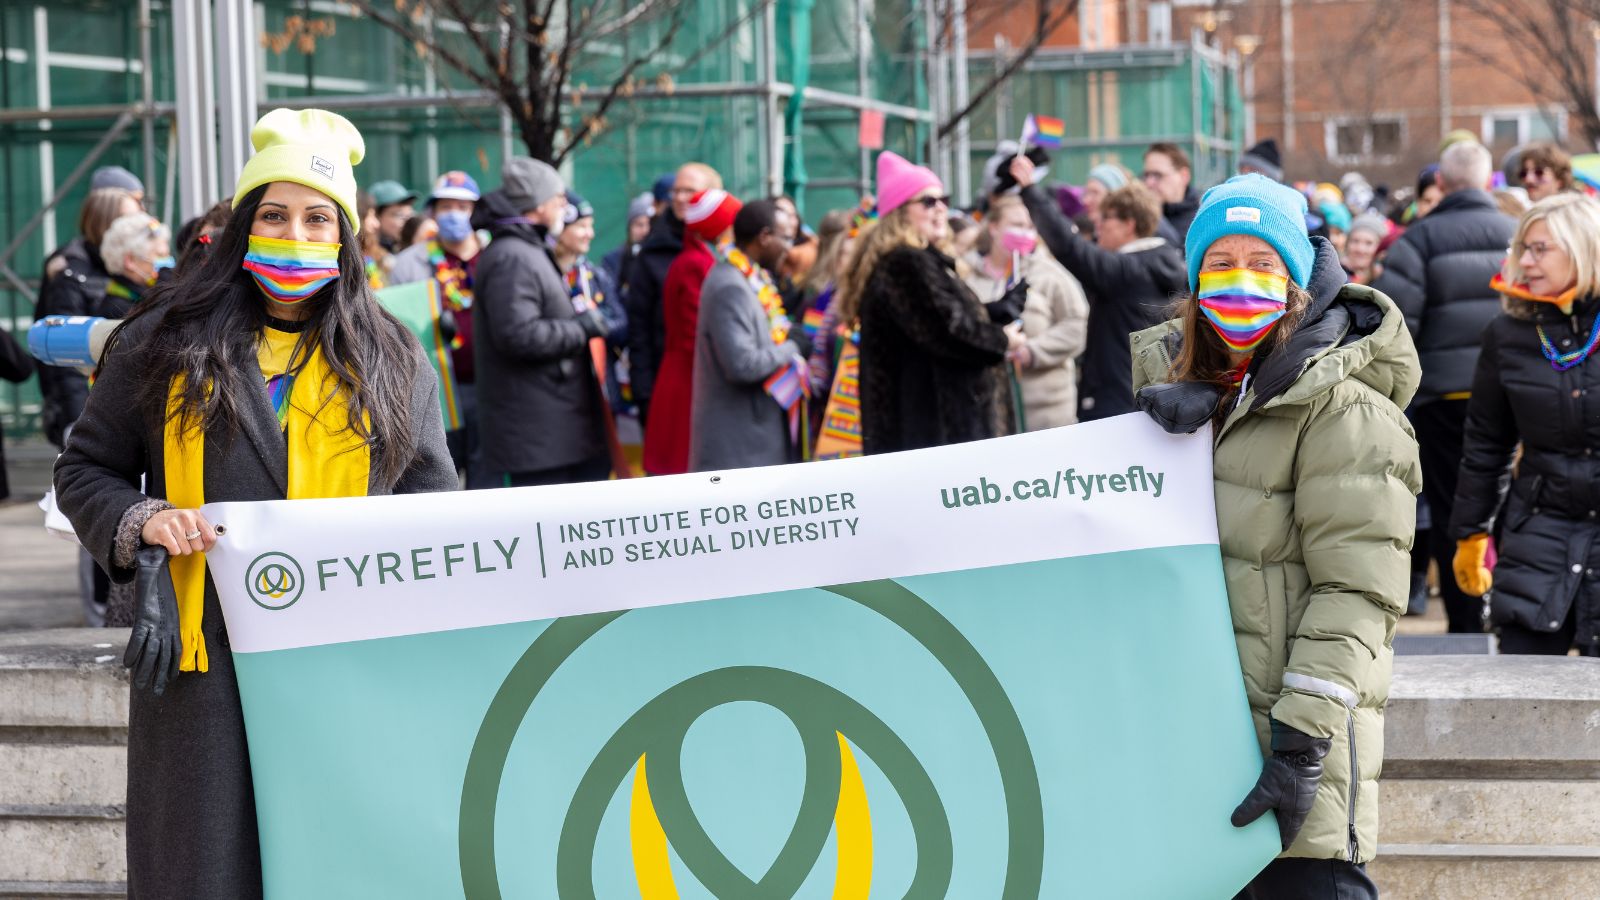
(1376, 139)
(1506, 128)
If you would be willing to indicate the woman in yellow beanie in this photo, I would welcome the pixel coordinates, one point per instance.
(267, 373)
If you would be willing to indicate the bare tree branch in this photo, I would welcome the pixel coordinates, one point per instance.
(1047, 19)
(1558, 65)
(626, 78)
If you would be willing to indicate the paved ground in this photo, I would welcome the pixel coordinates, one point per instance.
(38, 575)
(38, 572)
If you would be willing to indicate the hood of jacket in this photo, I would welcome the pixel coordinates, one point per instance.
(1348, 331)
(1189, 204)
(665, 236)
(500, 217)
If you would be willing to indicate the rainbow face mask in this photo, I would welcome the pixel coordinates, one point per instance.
(291, 271)
(1243, 305)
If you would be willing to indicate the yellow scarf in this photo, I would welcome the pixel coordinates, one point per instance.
(326, 459)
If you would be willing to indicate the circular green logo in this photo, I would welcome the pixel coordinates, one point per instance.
(274, 581)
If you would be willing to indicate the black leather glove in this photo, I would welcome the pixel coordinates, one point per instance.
(1288, 782)
(1180, 407)
(156, 646)
(1009, 307)
(594, 324)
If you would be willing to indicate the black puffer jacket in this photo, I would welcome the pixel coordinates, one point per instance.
(1438, 273)
(1128, 290)
(1549, 537)
(647, 327)
(931, 361)
(538, 400)
(78, 289)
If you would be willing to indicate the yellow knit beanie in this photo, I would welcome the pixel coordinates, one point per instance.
(312, 147)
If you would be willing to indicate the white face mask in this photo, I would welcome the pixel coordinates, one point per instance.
(555, 228)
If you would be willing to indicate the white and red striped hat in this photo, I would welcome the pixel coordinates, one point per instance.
(711, 213)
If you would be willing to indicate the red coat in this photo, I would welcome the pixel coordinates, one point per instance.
(666, 435)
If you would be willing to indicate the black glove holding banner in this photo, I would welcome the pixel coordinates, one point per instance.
(156, 647)
(1009, 307)
(1288, 782)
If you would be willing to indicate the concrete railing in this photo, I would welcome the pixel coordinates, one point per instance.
(1491, 784)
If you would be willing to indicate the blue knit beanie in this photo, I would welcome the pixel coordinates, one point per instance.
(1257, 206)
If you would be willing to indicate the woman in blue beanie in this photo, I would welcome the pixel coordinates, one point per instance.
(1301, 378)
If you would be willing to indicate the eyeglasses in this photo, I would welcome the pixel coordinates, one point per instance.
(1533, 172)
(1156, 176)
(935, 201)
(1537, 249)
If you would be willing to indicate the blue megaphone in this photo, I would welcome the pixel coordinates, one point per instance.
(70, 340)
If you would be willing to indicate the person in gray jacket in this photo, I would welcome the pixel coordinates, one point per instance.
(540, 412)
(739, 343)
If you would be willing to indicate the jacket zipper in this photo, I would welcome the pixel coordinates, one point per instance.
(1355, 783)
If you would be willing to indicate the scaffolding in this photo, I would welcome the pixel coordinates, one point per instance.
(776, 107)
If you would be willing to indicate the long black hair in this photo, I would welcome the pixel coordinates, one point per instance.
(208, 325)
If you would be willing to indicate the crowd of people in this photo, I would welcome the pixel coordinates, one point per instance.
(1348, 346)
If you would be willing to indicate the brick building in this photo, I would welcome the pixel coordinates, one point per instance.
(1373, 84)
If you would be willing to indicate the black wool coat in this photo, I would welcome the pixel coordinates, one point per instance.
(539, 404)
(1547, 510)
(191, 821)
(932, 368)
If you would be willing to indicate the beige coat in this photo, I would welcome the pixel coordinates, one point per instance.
(1055, 320)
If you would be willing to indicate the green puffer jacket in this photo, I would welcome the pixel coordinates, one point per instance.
(1316, 476)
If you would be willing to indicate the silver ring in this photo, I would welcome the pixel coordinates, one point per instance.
(192, 535)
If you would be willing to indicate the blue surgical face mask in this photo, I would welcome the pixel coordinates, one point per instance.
(165, 262)
(454, 226)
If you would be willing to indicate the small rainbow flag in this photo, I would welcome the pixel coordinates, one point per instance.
(1043, 131)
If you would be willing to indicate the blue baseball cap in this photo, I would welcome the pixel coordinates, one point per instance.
(455, 186)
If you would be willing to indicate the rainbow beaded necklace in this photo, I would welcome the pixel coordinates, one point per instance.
(1564, 361)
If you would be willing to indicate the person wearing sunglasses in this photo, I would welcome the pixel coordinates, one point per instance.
(1537, 390)
(1544, 170)
(932, 355)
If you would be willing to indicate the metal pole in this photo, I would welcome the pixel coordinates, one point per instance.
(1287, 62)
(863, 88)
(147, 90)
(963, 142)
(236, 87)
(774, 119)
(61, 190)
(1446, 112)
(196, 156)
(505, 111)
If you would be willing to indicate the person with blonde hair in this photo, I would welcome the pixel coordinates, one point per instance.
(1536, 388)
(932, 356)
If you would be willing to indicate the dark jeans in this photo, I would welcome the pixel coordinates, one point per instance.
(1439, 424)
(1310, 879)
(466, 450)
(1518, 641)
(597, 469)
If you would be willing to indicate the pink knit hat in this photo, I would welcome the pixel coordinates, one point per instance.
(899, 180)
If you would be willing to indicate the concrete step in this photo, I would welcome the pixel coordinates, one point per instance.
(1515, 812)
(63, 764)
(52, 847)
(1438, 871)
(61, 890)
(56, 774)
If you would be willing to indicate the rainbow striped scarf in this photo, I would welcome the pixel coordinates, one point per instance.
(291, 271)
(1242, 305)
